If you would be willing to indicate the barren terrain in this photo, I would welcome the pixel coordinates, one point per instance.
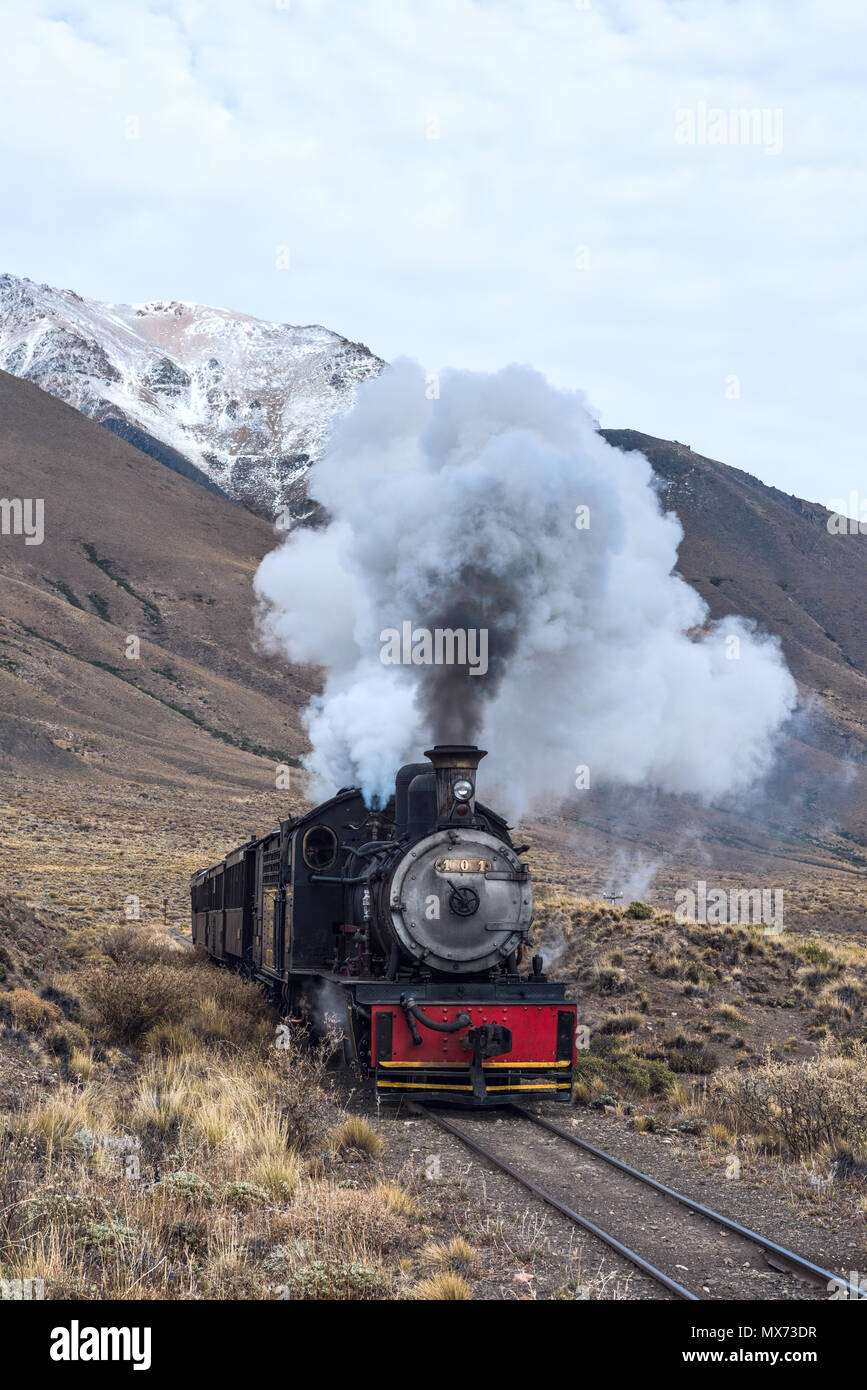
(122, 775)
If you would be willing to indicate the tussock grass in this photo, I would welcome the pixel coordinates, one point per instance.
(66, 1121)
(444, 1287)
(396, 1199)
(621, 1023)
(82, 1064)
(357, 1133)
(457, 1255)
(728, 1013)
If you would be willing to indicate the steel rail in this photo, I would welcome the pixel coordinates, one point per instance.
(762, 1241)
(590, 1226)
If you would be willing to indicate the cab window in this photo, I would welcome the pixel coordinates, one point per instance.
(319, 847)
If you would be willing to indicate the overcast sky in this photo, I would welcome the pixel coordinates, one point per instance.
(475, 182)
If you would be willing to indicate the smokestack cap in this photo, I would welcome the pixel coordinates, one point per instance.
(463, 755)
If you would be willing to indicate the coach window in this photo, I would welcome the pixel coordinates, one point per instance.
(320, 847)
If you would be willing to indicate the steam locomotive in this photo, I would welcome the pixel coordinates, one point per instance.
(415, 917)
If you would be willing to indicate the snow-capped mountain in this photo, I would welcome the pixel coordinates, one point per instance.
(247, 402)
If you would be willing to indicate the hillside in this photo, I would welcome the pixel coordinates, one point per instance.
(131, 549)
(122, 776)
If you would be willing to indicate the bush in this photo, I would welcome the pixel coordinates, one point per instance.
(30, 1012)
(136, 944)
(693, 1060)
(800, 1106)
(642, 1074)
(640, 910)
(633, 1071)
(126, 1001)
(327, 1280)
(621, 1023)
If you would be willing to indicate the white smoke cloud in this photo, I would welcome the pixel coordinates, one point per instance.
(464, 507)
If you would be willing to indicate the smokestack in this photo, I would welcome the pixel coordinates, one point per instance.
(455, 765)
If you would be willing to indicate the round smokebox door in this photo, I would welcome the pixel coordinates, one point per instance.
(460, 901)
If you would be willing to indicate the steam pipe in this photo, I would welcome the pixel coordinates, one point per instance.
(336, 878)
(393, 961)
(413, 1012)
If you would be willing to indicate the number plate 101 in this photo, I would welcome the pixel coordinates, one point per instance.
(463, 866)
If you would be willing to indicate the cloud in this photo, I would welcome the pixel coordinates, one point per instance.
(305, 124)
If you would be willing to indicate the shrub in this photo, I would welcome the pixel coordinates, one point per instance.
(30, 1012)
(326, 1280)
(138, 945)
(801, 1106)
(189, 1186)
(126, 1001)
(642, 1074)
(621, 1023)
(640, 910)
(694, 1060)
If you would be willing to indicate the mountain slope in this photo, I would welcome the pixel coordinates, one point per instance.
(248, 403)
(132, 550)
(118, 771)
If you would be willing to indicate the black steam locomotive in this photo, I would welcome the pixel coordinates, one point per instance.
(416, 918)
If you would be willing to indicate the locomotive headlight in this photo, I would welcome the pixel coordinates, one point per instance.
(463, 790)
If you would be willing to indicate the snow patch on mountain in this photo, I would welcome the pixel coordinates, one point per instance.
(248, 402)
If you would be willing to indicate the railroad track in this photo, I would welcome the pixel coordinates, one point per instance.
(779, 1256)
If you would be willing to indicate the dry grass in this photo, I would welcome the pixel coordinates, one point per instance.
(82, 1064)
(396, 1199)
(197, 1162)
(358, 1133)
(441, 1288)
(457, 1255)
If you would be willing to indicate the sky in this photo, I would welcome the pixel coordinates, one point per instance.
(478, 182)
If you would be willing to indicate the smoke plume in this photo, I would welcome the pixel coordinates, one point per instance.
(498, 507)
